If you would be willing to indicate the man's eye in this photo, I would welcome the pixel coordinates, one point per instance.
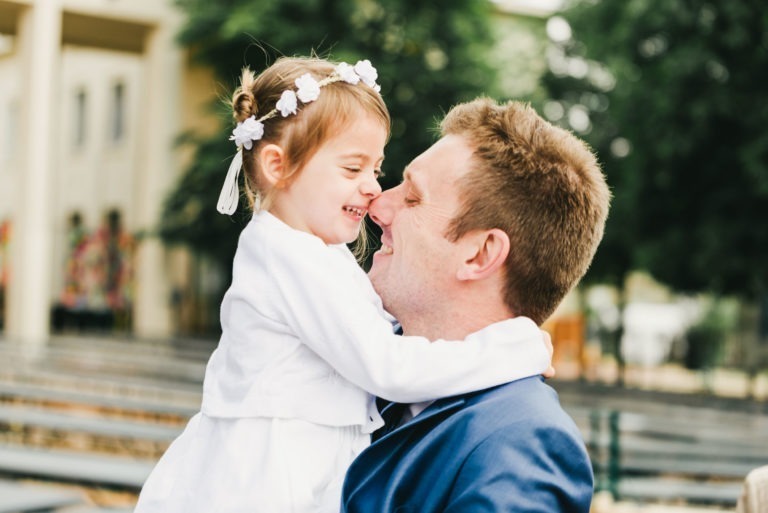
(353, 169)
(411, 201)
(379, 173)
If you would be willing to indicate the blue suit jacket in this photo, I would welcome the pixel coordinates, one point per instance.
(510, 448)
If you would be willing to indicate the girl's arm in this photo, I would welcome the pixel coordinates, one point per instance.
(335, 317)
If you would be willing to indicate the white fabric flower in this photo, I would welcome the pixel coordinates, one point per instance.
(246, 132)
(367, 72)
(287, 103)
(347, 73)
(308, 88)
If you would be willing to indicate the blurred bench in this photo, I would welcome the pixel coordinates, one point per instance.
(23, 497)
(19, 416)
(81, 357)
(108, 377)
(669, 489)
(74, 466)
(93, 412)
(47, 395)
(693, 456)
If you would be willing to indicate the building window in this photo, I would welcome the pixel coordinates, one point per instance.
(81, 111)
(118, 112)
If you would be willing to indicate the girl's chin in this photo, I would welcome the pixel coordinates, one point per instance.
(343, 240)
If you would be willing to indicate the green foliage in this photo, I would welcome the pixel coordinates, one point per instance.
(521, 41)
(429, 56)
(706, 338)
(683, 81)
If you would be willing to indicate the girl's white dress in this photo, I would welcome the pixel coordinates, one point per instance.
(286, 404)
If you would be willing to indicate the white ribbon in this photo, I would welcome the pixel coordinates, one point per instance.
(230, 192)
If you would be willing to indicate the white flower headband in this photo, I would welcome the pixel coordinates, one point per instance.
(252, 129)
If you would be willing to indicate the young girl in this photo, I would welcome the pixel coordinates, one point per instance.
(287, 401)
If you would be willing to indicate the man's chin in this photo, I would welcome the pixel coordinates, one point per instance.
(378, 261)
(376, 276)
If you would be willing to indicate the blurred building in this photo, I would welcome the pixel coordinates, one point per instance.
(91, 100)
(93, 94)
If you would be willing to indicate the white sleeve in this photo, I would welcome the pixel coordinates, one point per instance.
(333, 315)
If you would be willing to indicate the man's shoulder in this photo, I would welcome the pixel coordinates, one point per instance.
(533, 390)
(528, 403)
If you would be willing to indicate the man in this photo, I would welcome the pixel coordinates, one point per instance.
(500, 218)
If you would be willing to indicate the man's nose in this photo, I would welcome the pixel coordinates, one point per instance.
(382, 209)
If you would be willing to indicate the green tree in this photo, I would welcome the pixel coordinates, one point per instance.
(429, 56)
(675, 94)
(687, 98)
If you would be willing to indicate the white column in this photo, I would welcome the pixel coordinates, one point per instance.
(39, 36)
(161, 119)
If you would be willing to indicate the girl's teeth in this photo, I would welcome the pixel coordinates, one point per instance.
(355, 211)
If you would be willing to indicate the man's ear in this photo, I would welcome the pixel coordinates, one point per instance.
(272, 164)
(485, 253)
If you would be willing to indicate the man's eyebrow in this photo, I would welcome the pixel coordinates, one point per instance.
(408, 177)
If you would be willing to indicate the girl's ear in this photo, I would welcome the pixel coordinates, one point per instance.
(272, 164)
(485, 252)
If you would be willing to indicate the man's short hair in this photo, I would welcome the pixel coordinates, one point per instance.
(542, 186)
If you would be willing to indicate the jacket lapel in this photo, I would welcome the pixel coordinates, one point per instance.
(378, 457)
(441, 407)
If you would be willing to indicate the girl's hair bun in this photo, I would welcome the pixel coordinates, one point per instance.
(243, 101)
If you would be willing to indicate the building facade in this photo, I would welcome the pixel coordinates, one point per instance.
(91, 101)
(93, 94)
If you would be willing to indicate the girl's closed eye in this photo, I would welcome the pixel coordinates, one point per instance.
(378, 173)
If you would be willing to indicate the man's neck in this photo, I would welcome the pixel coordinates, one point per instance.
(453, 326)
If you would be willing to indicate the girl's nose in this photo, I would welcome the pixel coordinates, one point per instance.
(370, 187)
